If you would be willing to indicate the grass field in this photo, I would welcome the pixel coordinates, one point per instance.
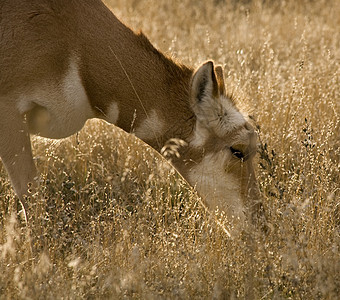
(111, 219)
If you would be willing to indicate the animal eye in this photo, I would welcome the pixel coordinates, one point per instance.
(237, 153)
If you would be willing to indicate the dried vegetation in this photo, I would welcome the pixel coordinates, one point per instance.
(111, 219)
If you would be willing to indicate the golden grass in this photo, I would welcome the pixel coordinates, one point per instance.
(112, 220)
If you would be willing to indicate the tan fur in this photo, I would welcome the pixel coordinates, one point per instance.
(68, 57)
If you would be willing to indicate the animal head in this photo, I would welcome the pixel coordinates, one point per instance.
(224, 143)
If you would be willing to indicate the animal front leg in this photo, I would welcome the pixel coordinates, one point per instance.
(15, 150)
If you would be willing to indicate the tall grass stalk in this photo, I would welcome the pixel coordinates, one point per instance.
(111, 219)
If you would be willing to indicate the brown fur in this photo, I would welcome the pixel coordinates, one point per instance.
(39, 41)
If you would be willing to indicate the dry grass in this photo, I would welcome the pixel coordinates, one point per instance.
(112, 220)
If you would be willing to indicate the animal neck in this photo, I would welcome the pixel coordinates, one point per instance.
(161, 108)
(136, 87)
(154, 103)
(164, 110)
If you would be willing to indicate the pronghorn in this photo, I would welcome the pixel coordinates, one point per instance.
(64, 62)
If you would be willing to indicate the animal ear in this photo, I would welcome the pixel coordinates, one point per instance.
(220, 80)
(204, 85)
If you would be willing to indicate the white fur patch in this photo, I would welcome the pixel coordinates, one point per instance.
(221, 117)
(200, 136)
(112, 113)
(232, 118)
(151, 128)
(64, 105)
(217, 188)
